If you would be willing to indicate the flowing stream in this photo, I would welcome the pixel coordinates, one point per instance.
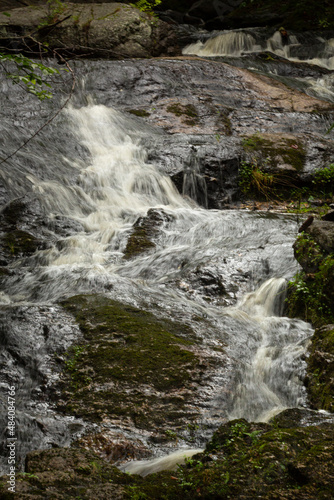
(313, 51)
(104, 191)
(91, 173)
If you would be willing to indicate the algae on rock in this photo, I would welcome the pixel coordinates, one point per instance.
(132, 366)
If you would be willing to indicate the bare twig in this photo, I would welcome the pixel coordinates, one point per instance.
(60, 57)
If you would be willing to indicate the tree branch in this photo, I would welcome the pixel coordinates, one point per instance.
(59, 57)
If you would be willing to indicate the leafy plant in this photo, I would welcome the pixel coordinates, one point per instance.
(28, 73)
(55, 8)
(253, 179)
(308, 296)
(146, 5)
(324, 179)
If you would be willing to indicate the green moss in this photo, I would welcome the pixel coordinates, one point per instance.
(125, 349)
(291, 151)
(139, 112)
(188, 112)
(20, 243)
(138, 242)
(144, 231)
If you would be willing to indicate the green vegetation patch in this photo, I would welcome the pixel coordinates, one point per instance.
(188, 112)
(270, 168)
(126, 349)
(286, 150)
(311, 291)
(320, 369)
(308, 252)
(139, 112)
(310, 297)
(323, 181)
(20, 243)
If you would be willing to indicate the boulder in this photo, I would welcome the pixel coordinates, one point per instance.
(110, 30)
(133, 371)
(322, 231)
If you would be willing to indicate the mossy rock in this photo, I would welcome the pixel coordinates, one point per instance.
(187, 112)
(320, 369)
(145, 229)
(280, 152)
(242, 460)
(20, 243)
(130, 365)
(142, 113)
(311, 292)
(246, 460)
(68, 474)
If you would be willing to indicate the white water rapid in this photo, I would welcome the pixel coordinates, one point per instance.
(295, 48)
(241, 42)
(104, 191)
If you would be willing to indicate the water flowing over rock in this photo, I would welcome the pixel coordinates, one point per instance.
(139, 318)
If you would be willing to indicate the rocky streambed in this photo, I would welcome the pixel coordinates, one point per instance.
(137, 316)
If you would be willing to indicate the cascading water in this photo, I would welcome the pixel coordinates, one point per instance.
(231, 43)
(241, 42)
(280, 345)
(295, 48)
(105, 191)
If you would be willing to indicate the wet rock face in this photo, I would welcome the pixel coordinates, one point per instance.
(33, 341)
(145, 230)
(25, 229)
(113, 30)
(21, 222)
(320, 371)
(133, 371)
(301, 417)
(214, 108)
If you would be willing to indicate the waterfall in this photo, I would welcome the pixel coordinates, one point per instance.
(194, 184)
(241, 42)
(260, 392)
(169, 462)
(104, 190)
(231, 43)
